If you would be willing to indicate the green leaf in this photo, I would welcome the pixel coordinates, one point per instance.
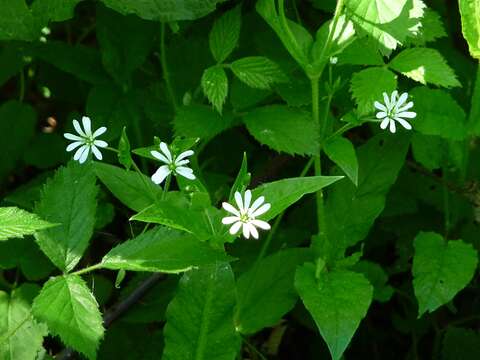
(21, 337)
(134, 190)
(225, 34)
(242, 180)
(124, 155)
(162, 250)
(459, 343)
(283, 193)
(68, 199)
(362, 51)
(284, 129)
(16, 21)
(11, 62)
(70, 311)
(374, 273)
(200, 317)
(215, 86)
(125, 42)
(429, 150)
(438, 114)
(258, 308)
(389, 22)
(165, 11)
(440, 269)
(15, 222)
(431, 30)
(342, 153)
(16, 130)
(199, 121)
(258, 72)
(470, 14)
(425, 66)
(366, 92)
(54, 10)
(342, 36)
(338, 301)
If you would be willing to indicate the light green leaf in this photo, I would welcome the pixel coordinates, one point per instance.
(124, 155)
(366, 92)
(440, 269)
(162, 250)
(70, 311)
(389, 22)
(431, 30)
(284, 129)
(258, 308)
(134, 190)
(362, 51)
(342, 37)
(68, 199)
(165, 11)
(225, 34)
(438, 114)
(215, 86)
(21, 337)
(338, 301)
(425, 66)
(200, 317)
(283, 193)
(470, 14)
(258, 72)
(15, 222)
(342, 153)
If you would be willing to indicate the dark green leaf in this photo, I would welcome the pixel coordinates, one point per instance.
(215, 86)
(341, 152)
(225, 33)
(258, 72)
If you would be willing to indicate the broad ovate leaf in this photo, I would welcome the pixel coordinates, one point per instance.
(341, 151)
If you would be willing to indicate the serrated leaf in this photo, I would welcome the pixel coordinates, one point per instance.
(165, 11)
(438, 114)
(440, 269)
(258, 308)
(258, 72)
(15, 222)
(366, 92)
(431, 30)
(425, 66)
(21, 337)
(70, 311)
(162, 250)
(225, 34)
(470, 14)
(200, 317)
(134, 190)
(337, 301)
(284, 129)
(341, 151)
(283, 193)
(68, 199)
(215, 86)
(124, 155)
(389, 22)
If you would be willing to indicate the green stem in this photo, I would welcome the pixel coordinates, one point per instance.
(164, 64)
(166, 186)
(446, 203)
(338, 11)
(87, 269)
(21, 96)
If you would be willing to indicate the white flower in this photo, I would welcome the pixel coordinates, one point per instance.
(174, 165)
(245, 215)
(395, 110)
(86, 140)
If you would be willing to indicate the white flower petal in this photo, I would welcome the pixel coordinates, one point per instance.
(386, 100)
(230, 220)
(99, 131)
(261, 224)
(182, 162)
(84, 156)
(74, 145)
(235, 227)
(87, 125)
(166, 151)
(183, 155)
(79, 152)
(393, 99)
(72, 137)
(407, 114)
(381, 115)
(261, 210)
(257, 203)
(160, 175)
(385, 123)
(238, 200)
(406, 107)
(246, 231)
(247, 198)
(401, 100)
(159, 156)
(100, 143)
(253, 231)
(185, 172)
(379, 106)
(97, 152)
(230, 209)
(404, 123)
(78, 128)
(393, 128)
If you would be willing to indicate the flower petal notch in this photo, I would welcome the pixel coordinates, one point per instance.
(395, 109)
(86, 141)
(244, 216)
(173, 164)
